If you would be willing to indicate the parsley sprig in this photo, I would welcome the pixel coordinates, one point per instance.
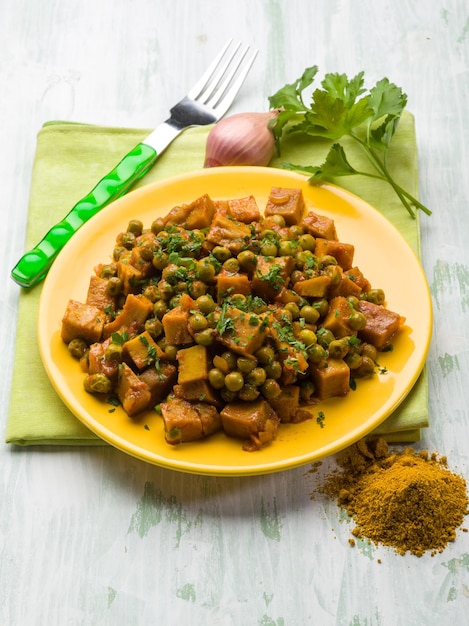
(343, 107)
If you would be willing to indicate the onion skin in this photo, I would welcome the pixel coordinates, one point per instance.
(241, 139)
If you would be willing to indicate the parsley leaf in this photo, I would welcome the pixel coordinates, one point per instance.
(344, 107)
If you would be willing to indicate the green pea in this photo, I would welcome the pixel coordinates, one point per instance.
(198, 322)
(213, 318)
(338, 349)
(309, 313)
(205, 304)
(197, 288)
(356, 320)
(296, 231)
(265, 355)
(322, 307)
(231, 265)
(271, 389)
(205, 337)
(118, 253)
(353, 301)
(308, 337)
(317, 353)
(97, 383)
(353, 360)
(230, 358)
(269, 249)
(154, 327)
(166, 289)
(221, 253)
(152, 293)
(327, 260)
(127, 240)
(170, 352)
(135, 227)
(367, 367)
(114, 286)
(294, 309)
(247, 260)
(278, 219)
(334, 273)
(157, 225)
(376, 296)
(297, 276)
(77, 348)
(257, 377)
(287, 248)
(216, 378)
(273, 369)
(245, 365)
(248, 393)
(370, 351)
(205, 270)
(234, 381)
(160, 308)
(107, 271)
(307, 242)
(325, 337)
(113, 352)
(160, 260)
(174, 301)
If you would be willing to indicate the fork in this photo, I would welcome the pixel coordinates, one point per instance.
(206, 103)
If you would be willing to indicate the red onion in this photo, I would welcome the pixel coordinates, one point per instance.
(241, 139)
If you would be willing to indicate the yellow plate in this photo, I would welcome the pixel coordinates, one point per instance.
(381, 253)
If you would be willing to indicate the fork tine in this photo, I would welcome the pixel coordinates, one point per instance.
(223, 97)
(200, 85)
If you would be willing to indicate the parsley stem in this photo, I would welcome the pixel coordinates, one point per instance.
(380, 166)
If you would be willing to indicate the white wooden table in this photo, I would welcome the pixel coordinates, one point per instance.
(92, 536)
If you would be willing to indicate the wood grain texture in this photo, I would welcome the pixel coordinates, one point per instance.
(91, 536)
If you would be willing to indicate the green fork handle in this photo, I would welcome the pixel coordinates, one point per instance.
(34, 265)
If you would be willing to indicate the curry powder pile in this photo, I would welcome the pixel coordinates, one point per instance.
(407, 500)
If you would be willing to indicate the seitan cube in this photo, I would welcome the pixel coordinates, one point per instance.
(287, 202)
(228, 232)
(271, 275)
(355, 274)
(142, 350)
(315, 287)
(256, 422)
(176, 327)
(337, 319)
(186, 421)
(98, 296)
(345, 287)
(197, 214)
(129, 276)
(193, 364)
(82, 321)
(133, 393)
(244, 333)
(331, 378)
(287, 403)
(381, 324)
(132, 318)
(198, 391)
(229, 284)
(342, 252)
(160, 381)
(244, 209)
(100, 363)
(319, 226)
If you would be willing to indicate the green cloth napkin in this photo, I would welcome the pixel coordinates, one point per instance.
(70, 158)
